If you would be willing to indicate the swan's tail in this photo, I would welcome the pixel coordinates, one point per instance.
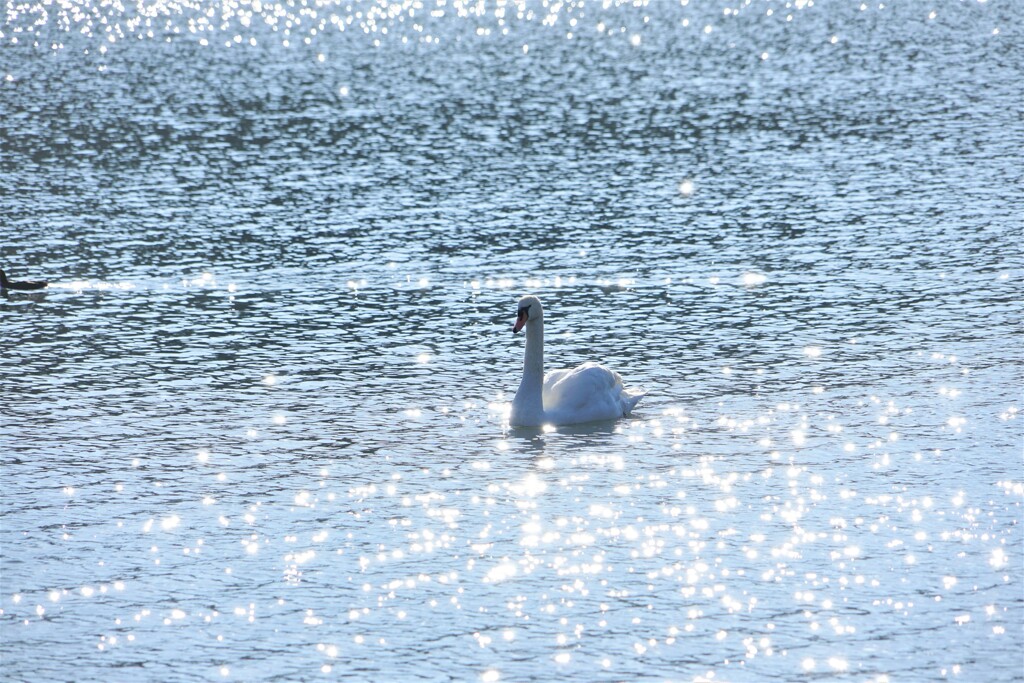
(630, 397)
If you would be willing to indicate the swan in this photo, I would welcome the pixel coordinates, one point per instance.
(23, 285)
(586, 393)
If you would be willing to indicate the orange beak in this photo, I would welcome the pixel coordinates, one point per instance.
(521, 319)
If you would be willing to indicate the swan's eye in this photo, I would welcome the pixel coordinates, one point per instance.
(524, 312)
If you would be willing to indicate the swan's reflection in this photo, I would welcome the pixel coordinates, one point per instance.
(594, 433)
(529, 440)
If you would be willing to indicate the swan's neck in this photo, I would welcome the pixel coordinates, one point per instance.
(528, 405)
(533, 365)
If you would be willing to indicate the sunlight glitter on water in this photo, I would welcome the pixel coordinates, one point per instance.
(249, 25)
(313, 464)
(85, 285)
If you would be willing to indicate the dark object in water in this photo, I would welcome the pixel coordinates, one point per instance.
(23, 285)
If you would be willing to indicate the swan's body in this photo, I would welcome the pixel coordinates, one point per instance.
(586, 393)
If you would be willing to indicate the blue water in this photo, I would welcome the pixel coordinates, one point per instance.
(255, 429)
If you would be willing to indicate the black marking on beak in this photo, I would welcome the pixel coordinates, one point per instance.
(521, 317)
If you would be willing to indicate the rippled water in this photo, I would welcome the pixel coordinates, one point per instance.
(255, 427)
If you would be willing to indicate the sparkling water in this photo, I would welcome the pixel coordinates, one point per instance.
(255, 429)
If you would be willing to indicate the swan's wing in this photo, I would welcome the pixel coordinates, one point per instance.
(572, 386)
(553, 378)
(587, 392)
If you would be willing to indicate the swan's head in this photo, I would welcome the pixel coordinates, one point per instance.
(529, 310)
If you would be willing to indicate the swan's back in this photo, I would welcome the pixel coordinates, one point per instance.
(587, 393)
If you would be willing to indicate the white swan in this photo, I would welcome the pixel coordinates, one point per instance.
(586, 393)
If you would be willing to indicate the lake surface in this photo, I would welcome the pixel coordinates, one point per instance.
(255, 427)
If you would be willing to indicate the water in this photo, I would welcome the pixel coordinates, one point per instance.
(255, 427)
